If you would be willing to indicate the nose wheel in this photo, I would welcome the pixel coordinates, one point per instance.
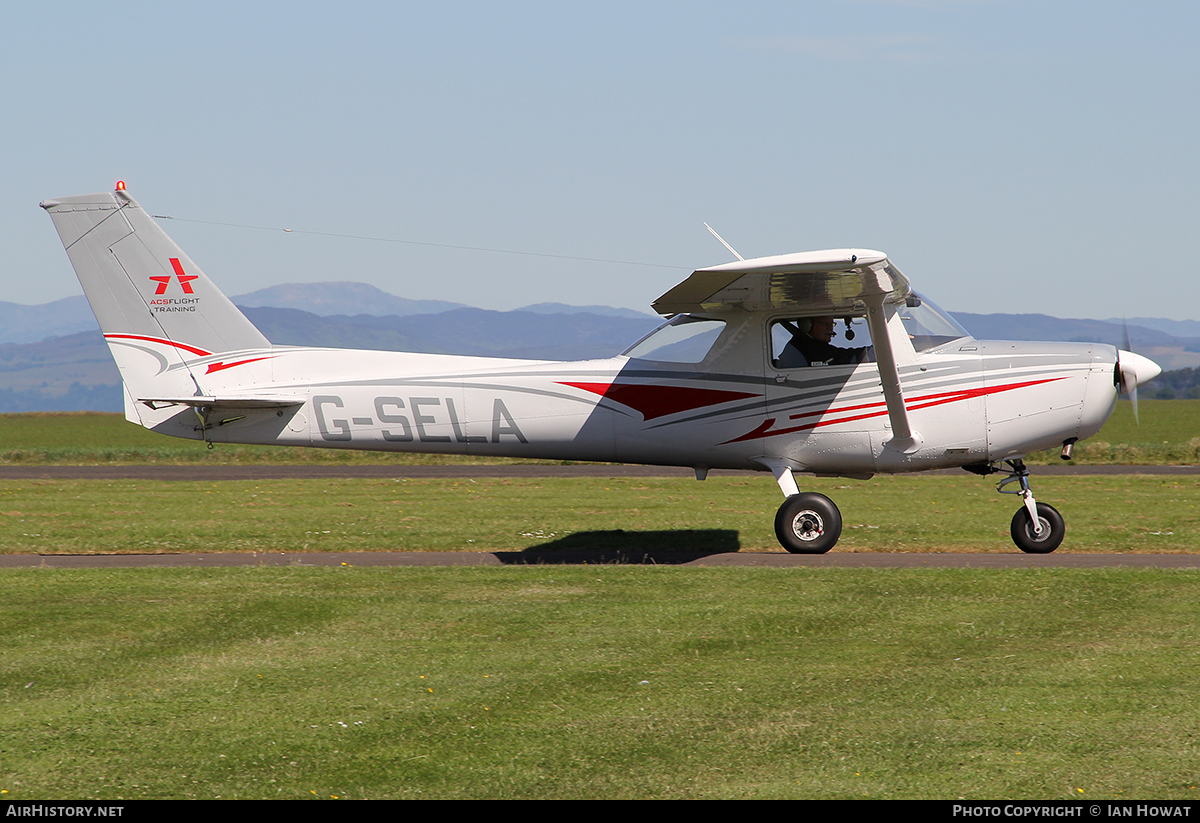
(1037, 528)
(1042, 538)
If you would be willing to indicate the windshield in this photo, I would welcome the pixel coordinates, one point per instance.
(927, 325)
(682, 339)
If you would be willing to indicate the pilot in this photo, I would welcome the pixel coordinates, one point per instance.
(810, 345)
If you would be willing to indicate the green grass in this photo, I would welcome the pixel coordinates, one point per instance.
(91, 438)
(598, 682)
(585, 681)
(1146, 513)
(1169, 434)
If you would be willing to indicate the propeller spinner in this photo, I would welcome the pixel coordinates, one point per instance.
(1132, 371)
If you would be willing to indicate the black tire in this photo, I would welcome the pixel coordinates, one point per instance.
(1025, 538)
(808, 524)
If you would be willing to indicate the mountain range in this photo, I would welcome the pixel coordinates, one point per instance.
(53, 358)
(30, 324)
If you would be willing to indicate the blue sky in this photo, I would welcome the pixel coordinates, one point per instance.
(1008, 156)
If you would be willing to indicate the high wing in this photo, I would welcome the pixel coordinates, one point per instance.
(815, 282)
(820, 282)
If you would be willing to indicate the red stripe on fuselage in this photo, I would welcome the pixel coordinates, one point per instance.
(212, 367)
(221, 366)
(880, 409)
(658, 401)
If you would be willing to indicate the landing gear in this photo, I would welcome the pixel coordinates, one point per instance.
(1037, 528)
(1045, 537)
(808, 523)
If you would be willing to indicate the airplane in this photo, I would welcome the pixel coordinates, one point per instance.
(730, 380)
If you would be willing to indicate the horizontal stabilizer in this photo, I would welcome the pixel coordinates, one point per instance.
(232, 402)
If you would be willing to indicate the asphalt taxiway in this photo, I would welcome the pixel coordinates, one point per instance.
(301, 472)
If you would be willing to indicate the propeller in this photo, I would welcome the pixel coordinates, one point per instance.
(1132, 371)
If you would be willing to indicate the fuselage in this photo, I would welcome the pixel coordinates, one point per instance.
(969, 402)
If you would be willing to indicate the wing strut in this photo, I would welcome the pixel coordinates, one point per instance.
(904, 439)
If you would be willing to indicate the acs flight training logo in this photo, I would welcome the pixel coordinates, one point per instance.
(164, 280)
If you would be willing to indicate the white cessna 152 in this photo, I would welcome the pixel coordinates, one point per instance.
(734, 379)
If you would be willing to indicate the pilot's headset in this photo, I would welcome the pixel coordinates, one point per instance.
(804, 324)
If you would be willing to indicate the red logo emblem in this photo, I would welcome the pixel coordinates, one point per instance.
(164, 280)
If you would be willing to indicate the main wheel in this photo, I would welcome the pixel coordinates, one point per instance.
(808, 524)
(1053, 529)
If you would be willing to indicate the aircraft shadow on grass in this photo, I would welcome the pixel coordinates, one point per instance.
(627, 547)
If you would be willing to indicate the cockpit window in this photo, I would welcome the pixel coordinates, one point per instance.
(820, 341)
(928, 326)
(684, 338)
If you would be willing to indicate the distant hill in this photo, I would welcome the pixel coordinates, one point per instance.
(520, 334)
(76, 372)
(1179, 328)
(28, 324)
(71, 369)
(1175, 384)
(326, 299)
(1169, 351)
(71, 373)
(1044, 327)
(603, 311)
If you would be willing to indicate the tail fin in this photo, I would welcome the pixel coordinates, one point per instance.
(162, 317)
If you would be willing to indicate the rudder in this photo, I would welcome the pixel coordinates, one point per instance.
(160, 314)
